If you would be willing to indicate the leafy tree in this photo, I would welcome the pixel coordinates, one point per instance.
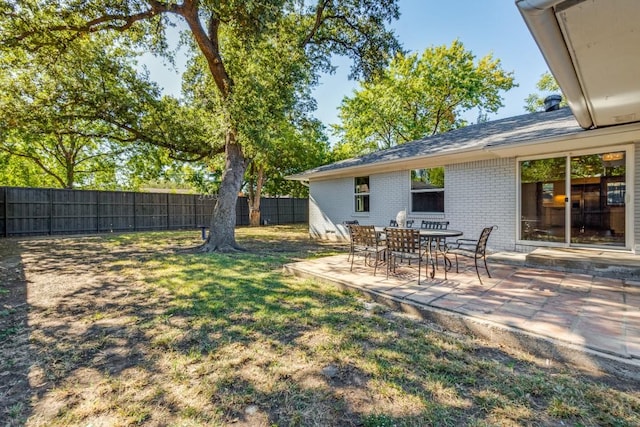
(75, 115)
(548, 86)
(229, 36)
(203, 177)
(280, 137)
(298, 145)
(19, 172)
(418, 96)
(303, 145)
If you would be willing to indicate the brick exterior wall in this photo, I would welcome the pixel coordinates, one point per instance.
(636, 198)
(477, 194)
(480, 194)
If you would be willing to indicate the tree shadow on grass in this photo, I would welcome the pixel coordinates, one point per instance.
(124, 333)
(15, 361)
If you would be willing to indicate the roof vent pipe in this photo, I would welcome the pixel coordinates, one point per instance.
(552, 102)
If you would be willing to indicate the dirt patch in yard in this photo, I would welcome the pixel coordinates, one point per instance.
(73, 315)
(55, 293)
(141, 329)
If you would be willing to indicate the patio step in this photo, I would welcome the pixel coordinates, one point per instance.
(496, 309)
(612, 264)
(510, 258)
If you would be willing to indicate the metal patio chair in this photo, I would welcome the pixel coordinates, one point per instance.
(364, 241)
(348, 224)
(403, 244)
(436, 225)
(476, 249)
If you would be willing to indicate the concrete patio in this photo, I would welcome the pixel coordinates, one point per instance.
(583, 319)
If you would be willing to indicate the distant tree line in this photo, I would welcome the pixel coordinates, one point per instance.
(76, 111)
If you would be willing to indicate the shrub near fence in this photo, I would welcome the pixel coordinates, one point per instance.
(38, 211)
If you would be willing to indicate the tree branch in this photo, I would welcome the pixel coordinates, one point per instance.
(322, 4)
(105, 22)
(99, 135)
(95, 156)
(208, 43)
(37, 161)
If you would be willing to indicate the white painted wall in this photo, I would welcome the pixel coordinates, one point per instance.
(481, 194)
(332, 202)
(477, 194)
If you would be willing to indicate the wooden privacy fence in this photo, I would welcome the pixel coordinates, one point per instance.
(39, 211)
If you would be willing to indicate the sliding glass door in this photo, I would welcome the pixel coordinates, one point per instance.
(574, 199)
(598, 187)
(542, 195)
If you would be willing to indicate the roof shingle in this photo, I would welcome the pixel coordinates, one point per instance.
(510, 131)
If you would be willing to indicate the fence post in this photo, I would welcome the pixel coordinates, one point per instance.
(135, 214)
(167, 204)
(97, 193)
(50, 212)
(6, 212)
(195, 210)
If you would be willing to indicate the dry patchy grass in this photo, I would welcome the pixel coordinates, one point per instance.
(137, 329)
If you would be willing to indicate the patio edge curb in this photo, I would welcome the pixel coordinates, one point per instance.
(543, 347)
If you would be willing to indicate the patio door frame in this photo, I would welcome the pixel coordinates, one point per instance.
(629, 200)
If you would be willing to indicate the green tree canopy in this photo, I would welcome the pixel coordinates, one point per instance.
(19, 172)
(418, 96)
(276, 131)
(76, 115)
(303, 146)
(229, 35)
(547, 85)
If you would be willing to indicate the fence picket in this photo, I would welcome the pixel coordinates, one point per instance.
(39, 211)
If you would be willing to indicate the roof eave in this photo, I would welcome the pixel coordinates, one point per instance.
(543, 25)
(421, 161)
(580, 140)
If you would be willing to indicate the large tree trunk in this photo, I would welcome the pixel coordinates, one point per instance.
(254, 217)
(223, 222)
(255, 194)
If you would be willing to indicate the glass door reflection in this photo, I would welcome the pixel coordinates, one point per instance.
(542, 199)
(598, 188)
(596, 199)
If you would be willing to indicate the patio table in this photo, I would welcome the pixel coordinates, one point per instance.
(431, 236)
(436, 236)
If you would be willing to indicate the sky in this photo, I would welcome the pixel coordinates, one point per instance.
(483, 26)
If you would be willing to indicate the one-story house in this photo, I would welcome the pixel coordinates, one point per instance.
(541, 178)
(560, 178)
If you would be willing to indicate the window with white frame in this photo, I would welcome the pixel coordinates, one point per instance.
(427, 190)
(361, 193)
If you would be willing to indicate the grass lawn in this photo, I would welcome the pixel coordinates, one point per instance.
(138, 329)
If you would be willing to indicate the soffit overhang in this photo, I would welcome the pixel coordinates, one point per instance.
(592, 50)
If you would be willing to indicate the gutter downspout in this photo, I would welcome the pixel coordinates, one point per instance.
(540, 17)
